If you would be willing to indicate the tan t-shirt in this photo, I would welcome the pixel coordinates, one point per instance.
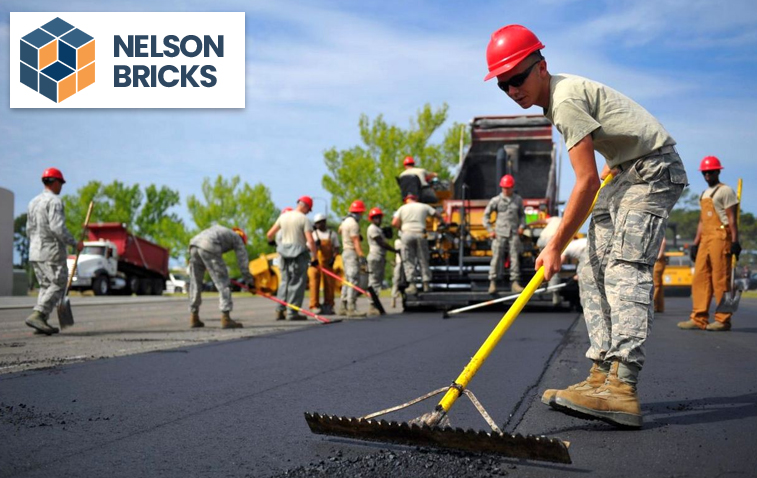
(620, 128)
(420, 172)
(413, 216)
(724, 198)
(349, 229)
(293, 225)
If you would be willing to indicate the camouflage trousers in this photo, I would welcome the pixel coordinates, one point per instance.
(376, 268)
(351, 274)
(200, 261)
(415, 250)
(500, 246)
(625, 234)
(52, 277)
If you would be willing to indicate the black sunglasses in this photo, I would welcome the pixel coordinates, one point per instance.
(517, 80)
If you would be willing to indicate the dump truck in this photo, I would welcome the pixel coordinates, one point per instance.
(115, 261)
(460, 246)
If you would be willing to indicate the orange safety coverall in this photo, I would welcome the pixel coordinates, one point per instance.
(659, 290)
(325, 255)
(712, 267)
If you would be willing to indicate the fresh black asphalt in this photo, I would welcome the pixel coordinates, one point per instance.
(235, 408)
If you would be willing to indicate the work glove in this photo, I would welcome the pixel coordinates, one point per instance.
(272, 242)
(318, 243)
(250, 283)
(736, 249)
(693, 252)
(314, 263)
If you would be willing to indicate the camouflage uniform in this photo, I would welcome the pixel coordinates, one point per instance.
(376, 258)
(48, 238)
(206, 251)
(510, 216)
(625, 233)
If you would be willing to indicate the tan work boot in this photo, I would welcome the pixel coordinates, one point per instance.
(426, 286)
(342, 310)
(516, 287)
(228, 323)
(411, 289)
(492, 286)
(280, 315)
(353, 312)
(373, 311)
(38, 322)
(719, 326)
(614, 402)
(689, 325)
(194, 321)
(595, 379)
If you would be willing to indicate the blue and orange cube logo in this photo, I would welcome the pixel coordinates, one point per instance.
(57, 60)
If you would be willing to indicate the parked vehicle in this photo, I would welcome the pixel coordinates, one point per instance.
(114, 261)
(177, 283)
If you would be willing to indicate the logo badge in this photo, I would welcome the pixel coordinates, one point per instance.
(57, 60)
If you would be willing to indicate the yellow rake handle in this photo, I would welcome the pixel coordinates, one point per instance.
(499, 331)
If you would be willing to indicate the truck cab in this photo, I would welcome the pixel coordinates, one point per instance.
(98, 263)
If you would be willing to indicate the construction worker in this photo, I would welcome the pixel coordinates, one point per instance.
(657, 277)
(326, 243)
(377, 248)
(716, 241)
(425, 192)
(397, 272)
(627, 225)
(297, 251)
(353, 258)
(48, 240)
(505, 236)
(410, 219)
(206, 251)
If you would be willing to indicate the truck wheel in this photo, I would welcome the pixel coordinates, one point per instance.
(133, 285)
(101, 285)
(145, 287)
(157, 286)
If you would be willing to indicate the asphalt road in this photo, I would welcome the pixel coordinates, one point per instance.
(234, 407)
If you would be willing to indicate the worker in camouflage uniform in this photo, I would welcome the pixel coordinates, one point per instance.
(353, 258)
(626, 228)
(206, 251)
(297, 252)
(48, 238)
(377, 247)
(505, 236)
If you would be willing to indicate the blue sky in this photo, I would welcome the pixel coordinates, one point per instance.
(313, 67)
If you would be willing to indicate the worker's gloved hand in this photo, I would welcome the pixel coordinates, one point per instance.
(693, 252)
(314, 263)
(317, 243)
(272, 242)
(736, 249)
(250, 283)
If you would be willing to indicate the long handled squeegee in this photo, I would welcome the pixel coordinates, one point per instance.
(370, 292)
(446, 314)
(317, 317)
(432, 429)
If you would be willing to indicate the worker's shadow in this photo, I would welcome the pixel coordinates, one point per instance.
(687, 412)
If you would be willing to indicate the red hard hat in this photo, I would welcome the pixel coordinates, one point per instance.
(710, 163)
(53, 173)
(375, 212)
(357, 206)
(307, 200)
(507, 181)
(241, 234)
(509, 46)
(409, 161)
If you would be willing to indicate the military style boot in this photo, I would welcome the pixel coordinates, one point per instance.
(689, 325)
(327, 309)
(492, 286)
(411, 289)
(280, 315)
(614, 402)
(516, 287)
(342, 309)
(595, 379)
(194, 321)
(719, 327)
(228, 323)
(38, 322)
(426, 286)
(353, 312)
(373, 311)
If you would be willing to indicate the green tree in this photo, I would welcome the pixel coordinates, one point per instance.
(156, 223)
(230, 203)
(368, 171)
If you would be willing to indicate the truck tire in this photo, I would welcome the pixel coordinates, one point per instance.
(145, 287)
(133, 285)
(101, 285)
(157, 286)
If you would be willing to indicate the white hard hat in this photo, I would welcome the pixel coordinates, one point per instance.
(319, 217)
